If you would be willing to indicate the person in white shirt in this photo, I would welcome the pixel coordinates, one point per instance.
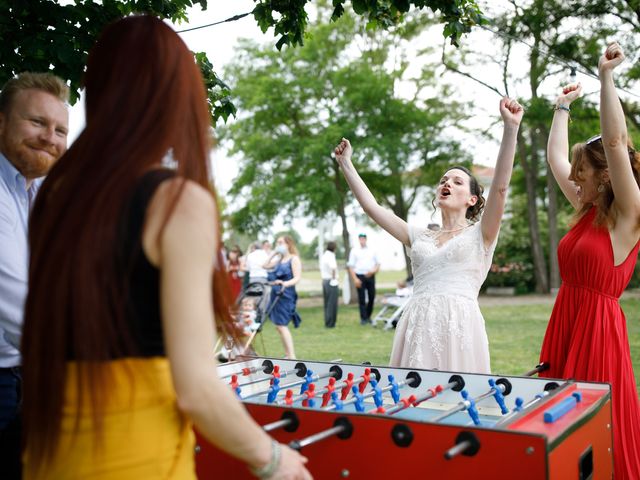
(329, 274)
(363, 265)
(256, 261)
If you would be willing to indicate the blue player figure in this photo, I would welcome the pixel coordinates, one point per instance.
(497, 394)
(395, 389)
(470, 404)
(273, 391)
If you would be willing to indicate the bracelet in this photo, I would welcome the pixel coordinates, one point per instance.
(563, 107)
(270, 468)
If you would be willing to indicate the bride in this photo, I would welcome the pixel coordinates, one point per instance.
(442, 326)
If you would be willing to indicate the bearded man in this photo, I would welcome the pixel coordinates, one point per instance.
(34, 123)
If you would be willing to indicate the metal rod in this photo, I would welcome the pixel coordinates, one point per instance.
(430, 394)
(286, 373)
(349, 401)
(458, 408)
(466, 403)
(457, 450)
(321, 436)
(285, 386)
(314, 378)
(370, 393)
(541, 367)
(275, 425)
(318, 393)
(526, 407)
(241, 372)
(486, 395)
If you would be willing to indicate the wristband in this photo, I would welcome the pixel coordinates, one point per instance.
(270, 468)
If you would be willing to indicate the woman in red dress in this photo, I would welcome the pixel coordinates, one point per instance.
(234, 269)
(586, 338)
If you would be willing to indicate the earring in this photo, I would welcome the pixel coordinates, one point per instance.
(601, 188)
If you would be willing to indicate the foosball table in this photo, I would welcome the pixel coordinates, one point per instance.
(361, 421)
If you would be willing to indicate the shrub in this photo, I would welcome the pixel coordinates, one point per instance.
(512, 274)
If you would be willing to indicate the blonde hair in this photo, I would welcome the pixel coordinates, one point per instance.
(46, 82)
(291, 244)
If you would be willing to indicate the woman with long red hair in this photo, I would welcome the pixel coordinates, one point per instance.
(119, 322)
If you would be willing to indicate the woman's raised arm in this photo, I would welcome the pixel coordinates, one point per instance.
(511, 112)
(389, 221)
(558, 143)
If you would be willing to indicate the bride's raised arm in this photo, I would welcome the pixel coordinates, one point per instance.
(393, 224)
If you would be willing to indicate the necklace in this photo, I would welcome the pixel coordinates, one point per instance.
(453, 230)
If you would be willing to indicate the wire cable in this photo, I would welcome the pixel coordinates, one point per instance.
(230, 19)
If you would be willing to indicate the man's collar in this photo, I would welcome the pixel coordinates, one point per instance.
(10, 174)
(7, 170)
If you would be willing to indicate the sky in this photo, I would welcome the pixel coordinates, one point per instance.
(219, 42)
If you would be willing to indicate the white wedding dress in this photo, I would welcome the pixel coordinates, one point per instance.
(441, 326)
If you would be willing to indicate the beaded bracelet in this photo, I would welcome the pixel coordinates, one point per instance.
(270, 468)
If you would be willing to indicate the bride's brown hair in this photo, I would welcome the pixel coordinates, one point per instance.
(474, 211)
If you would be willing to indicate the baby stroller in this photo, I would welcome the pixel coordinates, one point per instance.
(250, 314)
(393, 305)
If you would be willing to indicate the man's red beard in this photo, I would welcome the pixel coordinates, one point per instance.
(31, 163)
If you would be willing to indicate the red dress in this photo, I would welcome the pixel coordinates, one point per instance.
(235, 282)
(586, 338)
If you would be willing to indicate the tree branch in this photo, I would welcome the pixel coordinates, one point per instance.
(451, 67)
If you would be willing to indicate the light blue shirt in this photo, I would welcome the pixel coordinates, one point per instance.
(15, 204)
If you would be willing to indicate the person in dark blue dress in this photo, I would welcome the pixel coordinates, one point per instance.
(285, 271)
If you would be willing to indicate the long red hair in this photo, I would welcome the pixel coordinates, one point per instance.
(145, 98)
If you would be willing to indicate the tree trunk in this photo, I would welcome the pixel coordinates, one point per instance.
(531, 177)
(346, 240)
(552, 218)
(531, 172)
(632, 112)
(402, 210)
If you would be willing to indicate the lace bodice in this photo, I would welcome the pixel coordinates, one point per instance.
(442, 326)
(458, 267)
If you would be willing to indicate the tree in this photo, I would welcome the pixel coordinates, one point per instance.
(548, 29)
(47, 35)
(298, 104)
(290, 20)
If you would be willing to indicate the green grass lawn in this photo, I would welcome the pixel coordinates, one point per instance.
(515, 335)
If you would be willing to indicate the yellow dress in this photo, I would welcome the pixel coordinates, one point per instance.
(144, 435)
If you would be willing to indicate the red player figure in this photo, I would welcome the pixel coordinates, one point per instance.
(348, 383)
(366, 377)
(330, 388)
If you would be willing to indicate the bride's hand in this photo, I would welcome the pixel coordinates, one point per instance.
(511, 111)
